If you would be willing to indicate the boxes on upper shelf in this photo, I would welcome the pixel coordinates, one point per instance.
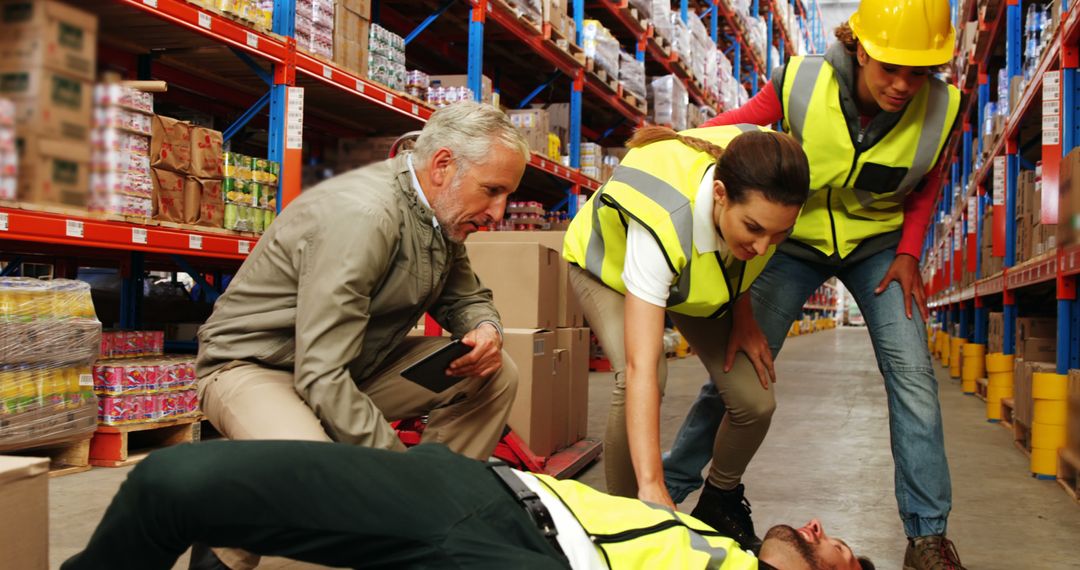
(42, 34)
(352, 31)
(533, 124)
(1068, 227)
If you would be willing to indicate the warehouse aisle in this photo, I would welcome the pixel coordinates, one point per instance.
(827, 456)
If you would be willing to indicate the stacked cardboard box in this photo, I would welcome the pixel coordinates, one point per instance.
(1036, 338)
(1033, 237)
(991, 264)
(48, 57)
(1068, 229)
(187, 171)
(24, 500)
(120, 179)
(533, 124)
(9, 156)
(996, 333)
(545, 333)
(352, 30)
(1023, 401)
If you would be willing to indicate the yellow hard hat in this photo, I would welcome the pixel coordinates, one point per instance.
(905, 32)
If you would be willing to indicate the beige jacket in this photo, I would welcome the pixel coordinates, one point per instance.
(335, 284)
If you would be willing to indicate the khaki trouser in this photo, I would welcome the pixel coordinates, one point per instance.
(247, 401)
(749, 407)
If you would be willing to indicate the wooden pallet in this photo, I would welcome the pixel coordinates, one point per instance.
(64, 458)
(1007, 407)
(119, 446)
(982, 388)
(633, 100)
(206, 229)
(1069, 472)
(1022, 437)
(529, 20)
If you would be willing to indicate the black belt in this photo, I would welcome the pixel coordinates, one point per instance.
(530, 502)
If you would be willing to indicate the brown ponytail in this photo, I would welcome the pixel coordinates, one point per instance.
(846, 36)
(652, 133)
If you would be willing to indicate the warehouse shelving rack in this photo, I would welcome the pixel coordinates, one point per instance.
(972, 193)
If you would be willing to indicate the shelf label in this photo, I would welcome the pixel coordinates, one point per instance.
(3, 222)
(1051, 87)
(150, 3)
(252, 40)
(138, 235)
(204, 20)
(327, 72)
(294, 119)
(389, 98)
(194, 241)
(243, 247)
(74, 228)
(415, 109)
(359, 86)
(972, 213)
(1051, 108)
(86, 380)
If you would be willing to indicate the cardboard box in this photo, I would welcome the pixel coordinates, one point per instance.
(1022, 399)
(49, 103)
(533, 124)
(24, 501)
(555, 14)
(486, 91)
(524, 278)
(361, 7)
(204, 203)
(206, 153)
(53, 171)
(352, 30)
(43, 34)
(170, 144)
(168, 195)
(1038, 349)
(576, 342)
(359, 152)
(533, 351)
(1028, 327)
(1068, 227)
(570, 313)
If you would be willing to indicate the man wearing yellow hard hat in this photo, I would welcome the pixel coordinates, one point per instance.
(873, 121)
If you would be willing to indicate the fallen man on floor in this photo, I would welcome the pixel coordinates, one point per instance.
(347, 506)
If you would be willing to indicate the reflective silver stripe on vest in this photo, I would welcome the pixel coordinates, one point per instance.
(680, 290)
(746, 127)
(716, 554)
(667, 196)
(802, 89)
(594, 251)
(937, 113)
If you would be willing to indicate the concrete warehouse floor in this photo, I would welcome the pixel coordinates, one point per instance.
(827, 456)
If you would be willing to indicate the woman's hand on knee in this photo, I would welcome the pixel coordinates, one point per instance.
(746, 336)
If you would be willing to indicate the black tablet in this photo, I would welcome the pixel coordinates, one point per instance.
(430, 371)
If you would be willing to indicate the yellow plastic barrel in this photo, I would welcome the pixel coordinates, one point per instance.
(955, 356)
(998, 362)
(1049, 386)
(1052, 412)
(946, 350)
(1044, 461)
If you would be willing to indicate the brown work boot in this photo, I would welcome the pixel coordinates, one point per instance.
(933, 552)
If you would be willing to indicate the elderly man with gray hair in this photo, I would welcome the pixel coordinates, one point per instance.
(309, 340)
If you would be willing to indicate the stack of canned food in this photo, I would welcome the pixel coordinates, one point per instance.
(250, 188)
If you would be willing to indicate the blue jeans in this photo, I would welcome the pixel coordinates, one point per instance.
(923, 486)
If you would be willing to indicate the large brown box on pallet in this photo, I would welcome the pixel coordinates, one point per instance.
(170, 144)
(570, 313)
(524, 277)
(24, 502)
(48, 103)
(1030, 327)
(533, 412)
(352, 29)
(555, 14)
(996, 333)
(576, 342)
(1068, 228)
(1072, 422)
(54, 35)
(53, 171)
(1036, 348)
(1022, 399)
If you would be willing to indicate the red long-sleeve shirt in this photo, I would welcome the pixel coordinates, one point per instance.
(765, 109)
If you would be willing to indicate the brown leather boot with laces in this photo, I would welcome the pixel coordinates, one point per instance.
(931, 553)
